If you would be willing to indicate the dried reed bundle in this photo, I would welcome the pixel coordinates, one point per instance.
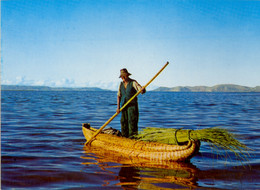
(216, 136)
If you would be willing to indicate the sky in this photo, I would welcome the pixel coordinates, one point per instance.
(85, 43)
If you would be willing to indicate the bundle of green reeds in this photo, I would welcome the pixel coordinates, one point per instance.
(216, 136)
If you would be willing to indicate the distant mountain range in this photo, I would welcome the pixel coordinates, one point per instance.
(46, 88)
(216, 88)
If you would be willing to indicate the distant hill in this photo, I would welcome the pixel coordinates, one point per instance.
(46, 88)
(216, 88)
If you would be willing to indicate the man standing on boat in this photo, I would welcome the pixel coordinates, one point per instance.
(130, 114)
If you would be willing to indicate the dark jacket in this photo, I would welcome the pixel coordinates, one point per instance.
(127, 93)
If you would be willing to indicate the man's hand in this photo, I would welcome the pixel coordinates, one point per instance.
(143, 90)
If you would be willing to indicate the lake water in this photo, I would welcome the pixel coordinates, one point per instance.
(42, 145)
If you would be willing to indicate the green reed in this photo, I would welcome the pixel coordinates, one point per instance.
(217, 137)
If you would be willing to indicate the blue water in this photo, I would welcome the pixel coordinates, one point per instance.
(43, 145)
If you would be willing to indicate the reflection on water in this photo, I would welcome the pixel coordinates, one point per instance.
(142, 174)
(129, 177)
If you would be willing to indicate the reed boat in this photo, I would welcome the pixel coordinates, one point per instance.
(133, 149)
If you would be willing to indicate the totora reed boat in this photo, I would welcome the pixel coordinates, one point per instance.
(133, 149)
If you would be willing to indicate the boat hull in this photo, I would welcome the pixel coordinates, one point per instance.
(156, 152)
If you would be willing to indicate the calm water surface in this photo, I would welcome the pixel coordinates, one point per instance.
(43, 145)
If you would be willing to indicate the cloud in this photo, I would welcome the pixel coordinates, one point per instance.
(111, 85)
(17, 81)
(22, 80)
(65, 82)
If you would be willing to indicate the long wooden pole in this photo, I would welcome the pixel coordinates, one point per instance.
(108, 121)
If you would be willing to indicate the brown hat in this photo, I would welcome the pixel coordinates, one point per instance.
(124, 72)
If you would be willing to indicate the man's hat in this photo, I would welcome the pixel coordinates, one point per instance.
(124, 72)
